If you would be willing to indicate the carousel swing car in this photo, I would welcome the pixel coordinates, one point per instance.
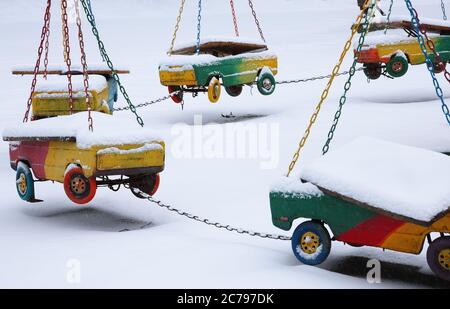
(55, 149)
(364, 202)
(398, 48)
(232, 63)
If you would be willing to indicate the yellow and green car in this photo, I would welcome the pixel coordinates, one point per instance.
(231, 64)
(395, 51)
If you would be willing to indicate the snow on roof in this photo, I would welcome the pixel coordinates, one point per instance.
(403, 180)
(239, 40)
(407, 18)
(63, 68)
(392, 36)
(59, 83)
(293, 186)
(108, 130)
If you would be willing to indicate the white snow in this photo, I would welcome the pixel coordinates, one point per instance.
(60, 84)
(401, 18)
(108, 130)
(400, 179)
(392, 37)
(227, 39)
(115, 150)
(293, 186)
(63, 68)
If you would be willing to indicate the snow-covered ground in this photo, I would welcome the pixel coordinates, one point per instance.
(41, 244)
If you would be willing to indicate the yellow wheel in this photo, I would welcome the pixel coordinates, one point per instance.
(309, 242)
(214, 90)
(438, 257)
(444, 259)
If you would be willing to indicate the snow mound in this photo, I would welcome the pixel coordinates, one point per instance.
(404, 180)
(108, 130)
(293, 186)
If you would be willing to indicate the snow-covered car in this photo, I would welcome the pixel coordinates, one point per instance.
(232, 63)
(396, 49)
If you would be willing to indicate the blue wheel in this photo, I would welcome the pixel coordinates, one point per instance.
(24, 182)
(311, 243)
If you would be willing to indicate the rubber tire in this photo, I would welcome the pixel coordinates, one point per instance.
(28, 195)
(214, 85)
(178, 98)
(395, 72)
(435, 247)
(234, 91)
(325, 241)
(261, 80)
(91, 186)
(152, 189)
(373, 70)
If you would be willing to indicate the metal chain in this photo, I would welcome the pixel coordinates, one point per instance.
(85, 67)
(218, 225)
(199, 25)
(365, 28)
(67, 52)
(420, 30)
(47, 45)
(258, 25)
(304, 80)
(63, 23)
(326, 91)
(444, 14)
(233, 12)
(38, 61)
(95, 23)
(389, 17)
(116, 77)
(119, 109)
(177, 27)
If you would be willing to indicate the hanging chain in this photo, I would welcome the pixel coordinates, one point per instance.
(47, 45)
(444, 14)
(370, 14)
(389, 17)
(85, 67)
(63, 23)
(233, 12)
(95, 23)
(199, 25)
(38, 61)
(67, 52)
(430, 65)
(326, 91)
(177, 27)
(116, 77)
(218, 225)
(258, 25)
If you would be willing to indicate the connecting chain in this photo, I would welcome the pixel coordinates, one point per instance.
(258, 25)
(326, 91)
(304, 80)
(233, 12)
(177, 27)
(444, 14)
(430, 65)
(103, 52)
(67, 53)
(84, 65)
(370, 14)
(38, 61)
(199, 25)
(119, 109)
(47, 45)
(389, 17)
(218, 225)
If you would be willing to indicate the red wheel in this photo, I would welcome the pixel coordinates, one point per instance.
(79, 189)
(177, 98)
(148, 184)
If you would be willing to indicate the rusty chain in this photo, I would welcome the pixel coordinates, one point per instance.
(177, 27)
(85, 67)
(67, 52)
(47, 45)
(233, 13)
(38, 61)
(258, 25)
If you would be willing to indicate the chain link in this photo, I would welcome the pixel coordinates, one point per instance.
(233, 12)
(38, 61)
(218, 225)
(67, 53)
(304, 80)
(84, 65)
(389, 17)
(47, 45)
(370, 14)
(444, 14)
(326, 91)
(177, 27)
(116, 77)
(258, 25)
(199, 25)
(430, 65)
(159, 100)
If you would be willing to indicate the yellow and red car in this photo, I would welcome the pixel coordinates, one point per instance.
(231, 63)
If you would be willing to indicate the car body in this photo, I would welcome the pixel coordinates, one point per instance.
(234, 63)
